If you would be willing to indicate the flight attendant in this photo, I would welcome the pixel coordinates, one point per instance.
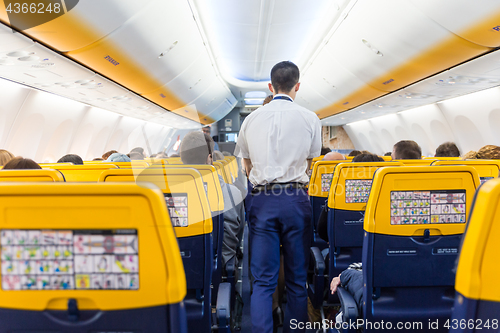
(277, 143)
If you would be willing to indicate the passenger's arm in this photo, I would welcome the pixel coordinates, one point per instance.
(335, 284)
(248, 166)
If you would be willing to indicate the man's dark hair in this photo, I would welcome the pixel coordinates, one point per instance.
(284, 76)
(21, 163)
(367, 158)
(388, 153)
(72, 158)
(407, 150)
(195, 148)
(325, 150)
(447, 149)
(355, 153)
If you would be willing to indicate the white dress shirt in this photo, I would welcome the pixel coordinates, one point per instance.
(278, 138)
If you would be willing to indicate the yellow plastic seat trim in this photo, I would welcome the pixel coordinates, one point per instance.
(44, 175)
(65, 206)
(319, 168)
(485, 168)
(416, 178)
(478, 268)
(355, 171)
(174, 181)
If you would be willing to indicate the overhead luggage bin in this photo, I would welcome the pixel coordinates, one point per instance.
(79, 26)
(89, 257)
(477, 24)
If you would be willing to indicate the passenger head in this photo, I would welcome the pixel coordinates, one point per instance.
(197, 148)
(406, 150)
(388, 153)
(367, 158)
(98, 159)
(159, 156)
(137, 153)
(268, 99)
(72, 158)
(333, 156)
(108, 154)
(21, 163)
(325, 150)
(489, 152)
(117, 157)
(471, 155)
(5, 156)
(354, 153)
(285, 78)
(447, 149)
(206, 130)
(217, 156)
(226, 153)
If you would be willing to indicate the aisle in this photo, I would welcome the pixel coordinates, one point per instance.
(244, 288)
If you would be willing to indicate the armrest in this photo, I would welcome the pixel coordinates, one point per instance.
(318, 260)
(230, 267)
(223, 308)
(316, 278)
(348, 307)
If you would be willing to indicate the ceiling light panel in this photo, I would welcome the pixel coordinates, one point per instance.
(231, 24)
(84, 24)
(409, 53)
(461, 18)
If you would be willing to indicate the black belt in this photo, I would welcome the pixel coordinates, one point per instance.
(277, 186)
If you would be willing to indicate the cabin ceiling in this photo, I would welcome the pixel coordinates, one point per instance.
(192, 61)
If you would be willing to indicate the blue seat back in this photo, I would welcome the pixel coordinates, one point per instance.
(414, 221)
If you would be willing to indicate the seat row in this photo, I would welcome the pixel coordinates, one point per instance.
(194, 205)
(405, 224)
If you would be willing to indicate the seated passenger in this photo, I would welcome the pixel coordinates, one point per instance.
(108, 154)
(21, 163)
(217, 156)
(388, 153)
(197, 148)
(351, 280)
(406, 150)
(137, 154)
(354, 153)
(117, 157)
(323, 216)
(447, 149)
(98, 159)
(72, 158)
(367, 158)
(333, 156)
(5, 156)
(325, 150)
(488, 152)
(226, 153)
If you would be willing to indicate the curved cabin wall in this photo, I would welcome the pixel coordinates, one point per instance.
(471, 121)
(44, 127)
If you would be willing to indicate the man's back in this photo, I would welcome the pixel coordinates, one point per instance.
(280, 137)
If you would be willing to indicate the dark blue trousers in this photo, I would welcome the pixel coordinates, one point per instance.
(279, 217)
